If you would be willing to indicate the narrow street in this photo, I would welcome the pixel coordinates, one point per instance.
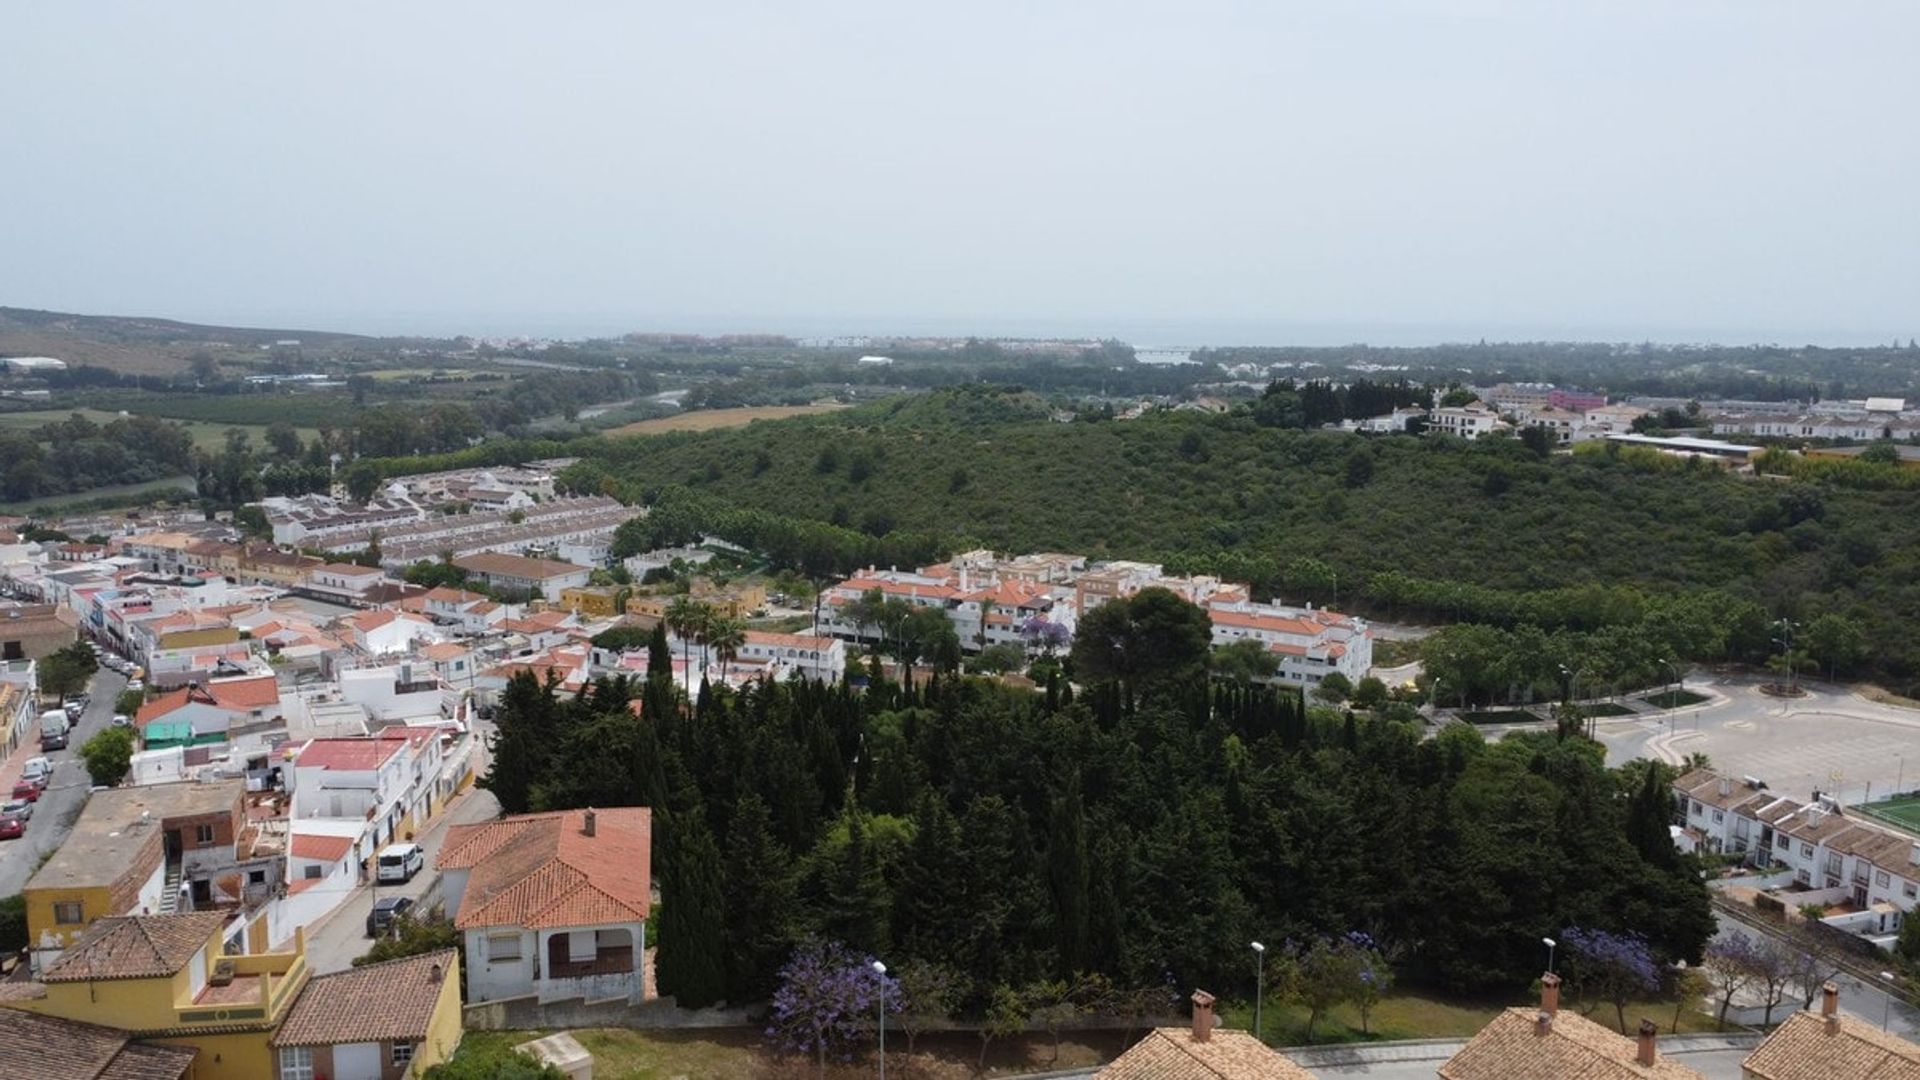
(61, 802)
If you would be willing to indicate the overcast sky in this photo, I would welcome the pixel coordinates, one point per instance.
(1329, 171)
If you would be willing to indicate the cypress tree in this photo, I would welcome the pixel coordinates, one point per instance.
(1067, 873)
(760, 891)
(692, 942)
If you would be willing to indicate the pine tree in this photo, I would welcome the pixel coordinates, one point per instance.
(1648, 817)
(856, 901)
(692, 943)
(527, 731)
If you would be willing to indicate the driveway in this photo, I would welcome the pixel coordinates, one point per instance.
(66, 794)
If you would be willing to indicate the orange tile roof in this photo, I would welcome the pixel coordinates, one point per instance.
(1514, 1047)
(1173, 1054)
(247, 692)
(1805, 1048)
(392, 1001)
(321, 848)
(1270, 623)
(135, 947)
(350, 754)
(542, 870)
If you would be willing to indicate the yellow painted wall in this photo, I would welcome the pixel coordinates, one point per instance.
(243, 1055)
(443, 1031)
(95, 903)
(589, 600)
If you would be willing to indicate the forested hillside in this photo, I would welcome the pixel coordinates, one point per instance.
(1397, 527)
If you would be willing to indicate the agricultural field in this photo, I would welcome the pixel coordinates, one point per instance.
(206, 435)
(716, 419)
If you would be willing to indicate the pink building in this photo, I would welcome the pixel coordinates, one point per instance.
(1575, 400)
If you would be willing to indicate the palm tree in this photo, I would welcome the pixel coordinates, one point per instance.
(726, 634)
(684, 617)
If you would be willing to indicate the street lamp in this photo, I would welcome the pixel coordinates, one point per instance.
(1886, 1011)
(1259, 984)
(1549, 943)
(880, 969)
(1673, 693)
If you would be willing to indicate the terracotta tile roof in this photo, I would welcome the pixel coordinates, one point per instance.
(249, 692)
(135, 947)
(346, 569)
(51, 1048)
(1271, 623)
(1804, 1048)
(322, 848)
(446, 650)
(1514, 1047)
(443, 594)
(350, 755)
(1172, 1054)
(796, 641)
(900, 588)
(394, 1000)
(542, 870)
(367, 621)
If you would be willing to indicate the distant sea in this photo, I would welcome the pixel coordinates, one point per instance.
(1147, 334)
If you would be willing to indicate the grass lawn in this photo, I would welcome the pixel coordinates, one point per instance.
(183, 484)
(1500, 716)
(626, 1054)
(1904, 811)
(1677, 699)
(1424, 1014)
(1606, 708)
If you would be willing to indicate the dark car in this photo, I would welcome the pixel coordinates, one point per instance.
(385, 912)
(12, 827)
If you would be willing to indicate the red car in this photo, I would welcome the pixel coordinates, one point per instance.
(11, 827)
(28, 790)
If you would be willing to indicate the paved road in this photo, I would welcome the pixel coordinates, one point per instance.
(60, 804)
(1865, 1002)
(1831, 739)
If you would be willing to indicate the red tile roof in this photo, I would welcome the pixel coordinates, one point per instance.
(386, 1002)
(320, 848)
(350, 755)
(542, 870)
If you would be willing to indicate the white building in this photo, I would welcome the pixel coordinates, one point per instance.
(1310, 643)
(1470, 421)
(552, 906)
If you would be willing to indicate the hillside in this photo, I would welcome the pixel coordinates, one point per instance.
(1316, 515)
(135, 345)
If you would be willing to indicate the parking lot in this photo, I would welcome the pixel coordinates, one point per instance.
(1830, 739)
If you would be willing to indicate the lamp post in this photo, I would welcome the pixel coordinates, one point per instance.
(1549, 943)
(1673, 693)
(1886, 1012)
(880, 969)
(1259, 985)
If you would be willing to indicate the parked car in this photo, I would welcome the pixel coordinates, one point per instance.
(28, 790)
(121, 719)
(20, 807)
(37, 769)
(136, 684)
(385, 913)
(11, 827)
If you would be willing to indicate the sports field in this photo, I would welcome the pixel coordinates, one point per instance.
(1903, 812)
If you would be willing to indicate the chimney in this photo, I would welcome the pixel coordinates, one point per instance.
(433, 974)
(1202, 1016)
(587, 822)
(1726, 786)
(1830, 1006)
(1542, 1022)
(1549, 994)
(1647, 1055)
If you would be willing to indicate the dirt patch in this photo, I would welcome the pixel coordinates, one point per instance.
(715, 419)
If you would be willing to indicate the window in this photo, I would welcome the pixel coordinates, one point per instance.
(1806, 851)
(402, 1054)
(1781, 841)
(312, 871)
(68, 913)
(1911, 890)
(296, 1063)
(503, 946)
(256, 877)
(1719, 816)
(1881, 879)
(203, 835)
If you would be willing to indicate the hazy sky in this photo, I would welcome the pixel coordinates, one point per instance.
(1340, 170)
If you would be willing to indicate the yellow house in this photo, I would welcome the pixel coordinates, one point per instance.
(597, 600)
(111, 864)
(181, 980)
(168, 979)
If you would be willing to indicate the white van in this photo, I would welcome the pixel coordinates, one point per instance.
(400, 862)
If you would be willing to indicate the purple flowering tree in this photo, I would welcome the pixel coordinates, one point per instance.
(1732, 964)
(827, 999)
(1612, 967)
(1044, 635)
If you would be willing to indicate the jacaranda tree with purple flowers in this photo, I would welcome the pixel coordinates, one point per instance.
(828, 999)
(1611, 967)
